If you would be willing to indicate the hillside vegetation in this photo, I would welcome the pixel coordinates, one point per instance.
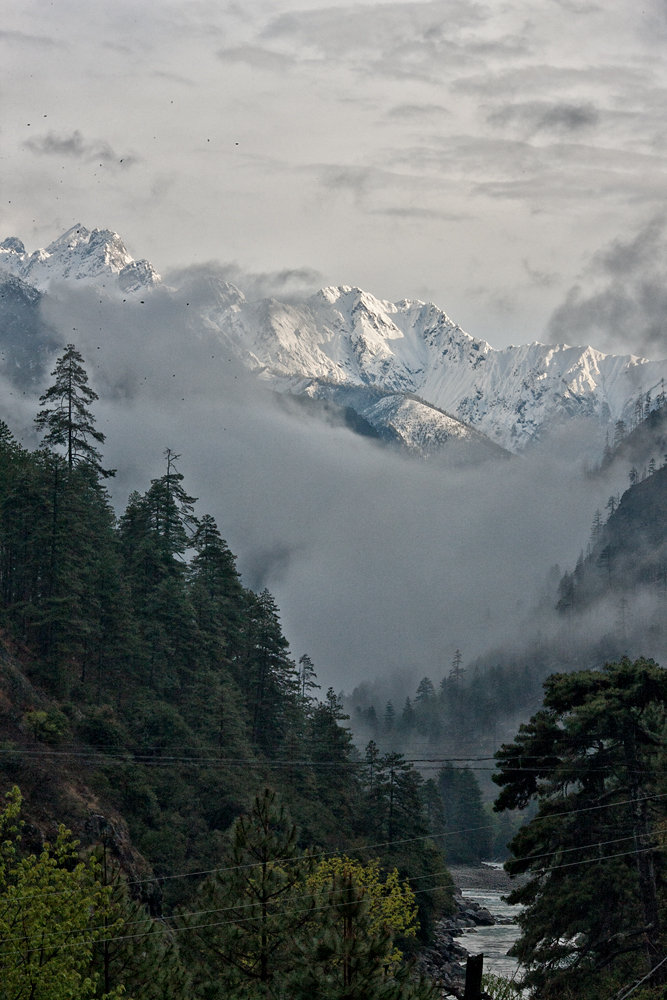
(148, 699)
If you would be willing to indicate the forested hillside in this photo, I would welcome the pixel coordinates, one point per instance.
(614, 601)
(147, 697)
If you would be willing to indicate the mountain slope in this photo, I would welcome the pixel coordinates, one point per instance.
(435, 381)
(80, 254)
(345, 336)
(26, 340)
(624, 574)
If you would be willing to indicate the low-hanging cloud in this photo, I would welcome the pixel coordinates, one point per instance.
(203, 282)
(621, 297)
(378, 563)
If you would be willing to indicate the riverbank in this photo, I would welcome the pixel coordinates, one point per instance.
(484, 876)
(470, 929)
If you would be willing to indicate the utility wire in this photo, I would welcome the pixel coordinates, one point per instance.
(425, 763)
(200, 873)
(245, 920)
(636, 986)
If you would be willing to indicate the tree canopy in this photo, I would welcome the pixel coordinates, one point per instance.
(66, 418)
(592, 857)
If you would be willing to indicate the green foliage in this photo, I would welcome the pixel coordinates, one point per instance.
(592, 760)
(66, 418)
(395, 812)
(391, 904)
(465, 825)
(47, 726)
(179, 683)
(257, 902)
(136, 950)
(271, 923)
(500, 987)
(350, 954)
(52, 910)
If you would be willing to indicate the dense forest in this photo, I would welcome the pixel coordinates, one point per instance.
(613, 600)
(149, 701)
(172, 769)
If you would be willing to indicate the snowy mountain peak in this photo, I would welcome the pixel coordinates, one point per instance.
(404, 366)
(343, 339)
(94, 256)
(13, 245)
(72, 238)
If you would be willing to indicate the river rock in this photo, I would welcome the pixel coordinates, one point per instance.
(444, 962)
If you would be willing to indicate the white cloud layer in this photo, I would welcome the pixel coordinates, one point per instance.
(378, 563)
(451, 152)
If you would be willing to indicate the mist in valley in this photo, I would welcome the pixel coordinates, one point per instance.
(382, 565)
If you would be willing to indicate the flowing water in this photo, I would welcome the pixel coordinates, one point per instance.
(494, 942)
(487, 885)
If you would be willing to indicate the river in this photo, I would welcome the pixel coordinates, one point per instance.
(487, 885)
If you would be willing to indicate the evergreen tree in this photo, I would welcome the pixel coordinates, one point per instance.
(407, 716)
(331, 746)
(219, 603)
(591, 760)
(350, 952)
(425, 691)
(155, 532)
(241, 937)
(457, 671)
(266, 674)
(596, 526)
(66, 419)
(466, 825)
(620, 432)
(307, 675)
(135, 951)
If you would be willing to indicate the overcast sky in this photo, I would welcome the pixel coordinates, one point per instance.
(505, 160)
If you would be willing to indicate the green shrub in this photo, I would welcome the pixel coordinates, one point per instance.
(48, 727)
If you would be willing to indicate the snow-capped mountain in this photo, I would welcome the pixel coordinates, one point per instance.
(344, 337)
(405, 367)
(97, 256)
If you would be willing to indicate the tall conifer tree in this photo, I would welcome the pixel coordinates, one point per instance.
(66, 418)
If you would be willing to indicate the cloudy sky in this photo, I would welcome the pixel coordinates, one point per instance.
(503, 159)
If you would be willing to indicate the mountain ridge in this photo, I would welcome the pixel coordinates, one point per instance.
(342, 339)
(79, 254)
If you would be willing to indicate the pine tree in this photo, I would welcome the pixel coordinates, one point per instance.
(407, 716)
(330, 745)
(216, 592)
(258, 905)
(465, 822)
(307, 675)
(266, 674)
(155, 532)
(350, 953)
(66, 419)
(591, 760)
(620, 432)
(457, 671)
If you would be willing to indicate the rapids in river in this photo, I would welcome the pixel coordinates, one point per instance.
(493, 942)
(486, 885)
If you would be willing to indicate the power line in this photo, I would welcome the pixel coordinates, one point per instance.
(395, 843)
(249, 919)
(636, 986)
(426, 763)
